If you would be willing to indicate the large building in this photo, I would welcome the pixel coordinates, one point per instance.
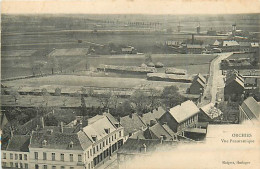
(249, 110)
(60, 147)
(183, 119)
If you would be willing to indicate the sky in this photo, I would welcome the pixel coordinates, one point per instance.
(174, 7)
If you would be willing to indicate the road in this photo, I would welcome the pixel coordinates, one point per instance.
(215, 80)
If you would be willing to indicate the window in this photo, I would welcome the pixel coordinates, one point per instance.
(71, 157)
(16, 156)
(88, 154)
(25, 157)
(44, 156)
(11, 164)
(53, 167)
(36, 166)
(53, 157)
(20, 157)
(100, 146)
(94, 150)
(109, 139)
(71, 167)
(112, 138)
(21, 165)
(4, 164)
(11, 156)
(106, 142)
(103, 143)
(35, 155)
(16, 165)
(79, 158)
(97, 148)
(89, 166)
(115, 136)
(26, 166)
(61, 157)
(44, 166)
(120, 133)
(4, 155)
(62, 167)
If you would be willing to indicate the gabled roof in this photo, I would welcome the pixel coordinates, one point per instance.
(132, 123)
(19, 143)
(184, 111)
(157, 113)
(58, 140)
(251, 108)
(237, 78)
(216, 43)
(230, 43)
(158, 130)
(202, 78)
(147, 117)
(97, 127)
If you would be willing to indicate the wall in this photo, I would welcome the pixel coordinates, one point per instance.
(16, 161)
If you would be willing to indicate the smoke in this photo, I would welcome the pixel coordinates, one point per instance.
(226, 146)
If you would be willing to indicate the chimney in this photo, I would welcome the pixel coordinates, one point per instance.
(11, 132)
(131, 115)
(42, 121)
(61, 126)
(161, 139)
(192, 39)
(152, 122)
(143, 148)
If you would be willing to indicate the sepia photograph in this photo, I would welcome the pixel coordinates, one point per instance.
(130, 84)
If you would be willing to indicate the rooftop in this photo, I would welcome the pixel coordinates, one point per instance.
(251, 108)
(19, 143)
(184, 111)
(132, 123)
(211, 111)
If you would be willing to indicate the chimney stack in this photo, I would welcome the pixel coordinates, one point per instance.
(42, 121)
(143, 148)
(161, 139)
(61, 126)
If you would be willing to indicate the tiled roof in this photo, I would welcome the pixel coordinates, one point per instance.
(167, 128)
(19, 143)
(158, 130)
(111, 118)
(184, 111)
(251, 108)
(134, 146)
(58, 140)
(147, 117)
(157, 113)
(230, 43)
(132, 124)
(97, 127)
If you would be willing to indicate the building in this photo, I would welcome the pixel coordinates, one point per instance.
(16, 152)
(198, 85)
(182, 118)
(60, 147)
(249, 110)
(209, 113)
(230, 46)
(194, 48)
(128, 50)
(234, 86)
(132, 123)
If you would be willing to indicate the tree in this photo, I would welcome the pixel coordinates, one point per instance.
(124, 108)
(141, 101)
(53, 63)
(15, 94)
(171, 97)
(154, 98)
(91, 92)
(51, 120)
(57, 91)
(46, 96)
(83, 106)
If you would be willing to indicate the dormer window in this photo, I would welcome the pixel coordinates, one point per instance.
(117, 125)
(44, 143)
(107, 130)
(94, 137)
(71, 144)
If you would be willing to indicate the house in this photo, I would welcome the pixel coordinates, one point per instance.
(249, 110)
(194, 48)
(234, 86)
(137, 148)
(230, 46)
(83, 149)
(198, 85)
(152, 117)
(132, 123)
(176, 71)
(209, 113)
(181, 117)
(16, 153)
(244, 46)
(250, 83)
